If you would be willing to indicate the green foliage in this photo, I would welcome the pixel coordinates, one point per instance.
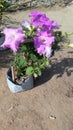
(58, 38)
(29, 70)
(28, 62)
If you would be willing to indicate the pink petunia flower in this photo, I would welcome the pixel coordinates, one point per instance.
(39, 20)
(26, 24)
(48, 51)
(43, 41)
(13, 38)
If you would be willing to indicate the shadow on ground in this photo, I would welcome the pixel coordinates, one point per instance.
(5, 57)
(58, 69)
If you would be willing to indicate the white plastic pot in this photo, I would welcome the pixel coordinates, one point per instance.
(26, 85)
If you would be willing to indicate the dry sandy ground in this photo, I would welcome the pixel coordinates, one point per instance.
(49, 105)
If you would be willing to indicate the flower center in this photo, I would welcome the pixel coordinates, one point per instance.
(12, 36)
(43, 40)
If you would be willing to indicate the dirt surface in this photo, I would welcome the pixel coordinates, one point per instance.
(49, 105)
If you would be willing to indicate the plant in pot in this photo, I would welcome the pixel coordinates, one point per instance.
(32, 44)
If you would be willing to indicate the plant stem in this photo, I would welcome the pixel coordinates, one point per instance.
(12, 72)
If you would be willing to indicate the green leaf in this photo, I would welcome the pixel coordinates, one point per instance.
(35, 75)
(29, 70)
(39, 72)
(70, 45)
(20, 62)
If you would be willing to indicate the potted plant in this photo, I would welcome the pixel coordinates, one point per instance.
(32, 44)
